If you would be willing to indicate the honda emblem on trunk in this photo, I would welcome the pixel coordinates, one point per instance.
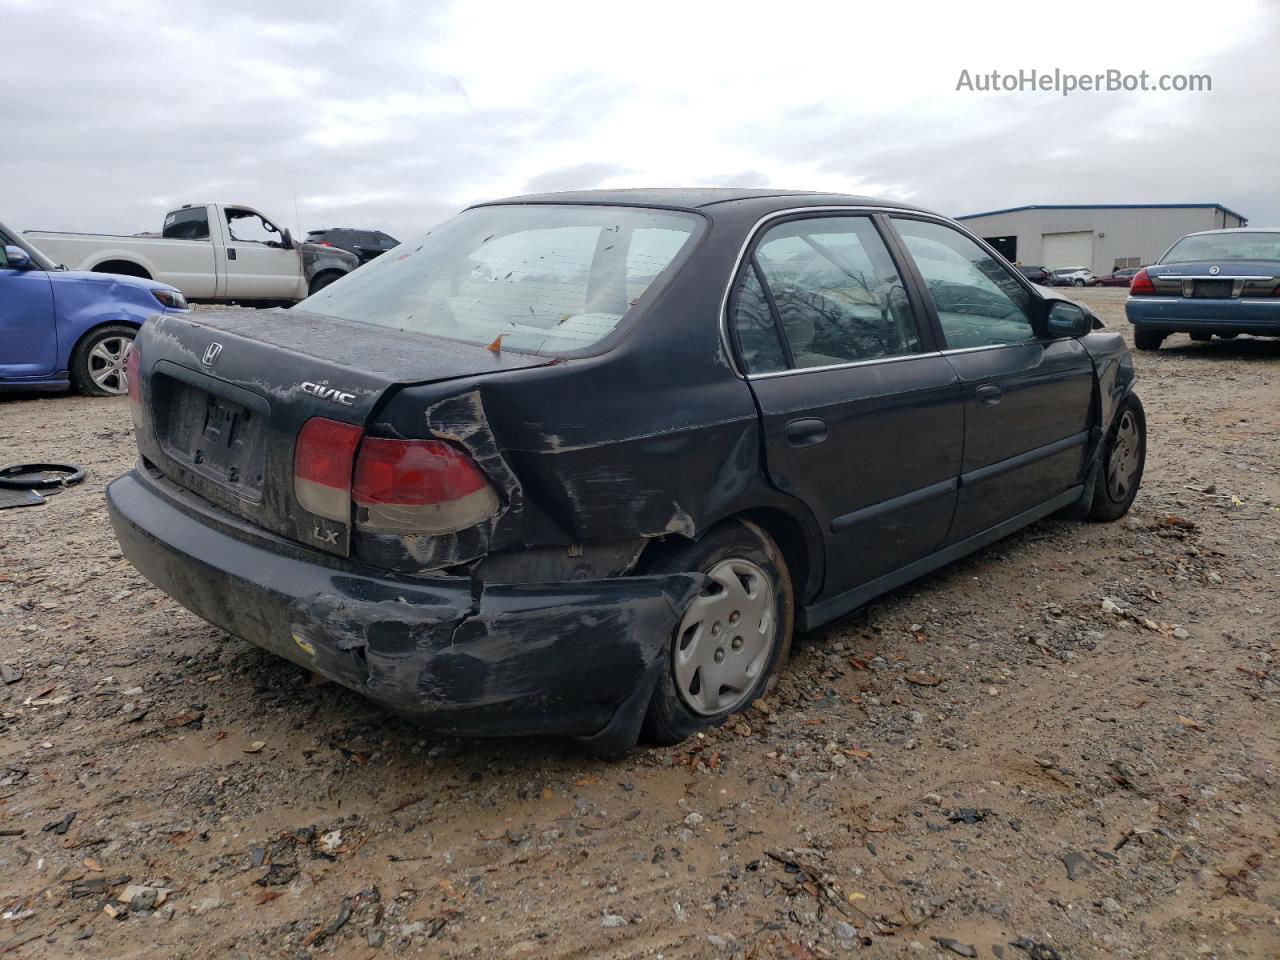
(211, 353)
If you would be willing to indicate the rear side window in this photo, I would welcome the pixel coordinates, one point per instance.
(979, 303)
(546, 278)
(836, 292)
(189, 224)
(754, 327)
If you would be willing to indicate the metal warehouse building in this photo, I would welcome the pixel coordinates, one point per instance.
(1103, 238)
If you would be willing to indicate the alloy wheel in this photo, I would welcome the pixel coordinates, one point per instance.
(107, 364)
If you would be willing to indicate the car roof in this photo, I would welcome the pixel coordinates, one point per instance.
(1201, 233)
(696, 198)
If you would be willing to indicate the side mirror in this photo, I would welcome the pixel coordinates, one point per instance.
(286, 239)
(17, 259)
(1067, 320)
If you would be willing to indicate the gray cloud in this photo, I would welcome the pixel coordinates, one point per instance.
(127, 108)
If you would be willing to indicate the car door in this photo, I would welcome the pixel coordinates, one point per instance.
(862, 416)
(257, 266)
(1027, 397)
(28, 336)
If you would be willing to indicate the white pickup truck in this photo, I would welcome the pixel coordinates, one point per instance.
(211, 252)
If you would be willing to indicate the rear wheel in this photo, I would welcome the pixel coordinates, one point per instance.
(1123, 458)
(1077, 282)
(97, 363)
(1147, 339)
(732, 637)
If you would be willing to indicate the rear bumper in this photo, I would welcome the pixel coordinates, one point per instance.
(1260, 316)
(571, 658)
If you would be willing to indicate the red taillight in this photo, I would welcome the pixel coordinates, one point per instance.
(1141, 285)
(323, 459)
(132, 375)
(419, 486)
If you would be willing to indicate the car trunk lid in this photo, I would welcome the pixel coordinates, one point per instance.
(225, 394)
(1220, 279)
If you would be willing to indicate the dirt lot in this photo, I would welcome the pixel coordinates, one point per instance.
(1065, 746)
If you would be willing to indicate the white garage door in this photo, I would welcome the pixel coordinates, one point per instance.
(1067, 250)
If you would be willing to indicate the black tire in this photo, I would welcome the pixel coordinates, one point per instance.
(1112, 500)
(1202, 337)
(1147, 339)
(1077, 282)
(87, 366)
(670, 719)
(318, 283)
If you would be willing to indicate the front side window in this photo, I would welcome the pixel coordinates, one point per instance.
(836, 291)
(979, 303)
(248, 226)
(546, 278)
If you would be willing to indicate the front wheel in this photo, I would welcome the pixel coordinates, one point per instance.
(98, 361)
(732, 637)
(1145, 339)
(1077, 282)
(1124, 456)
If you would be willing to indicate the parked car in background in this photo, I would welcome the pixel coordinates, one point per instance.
(1119, 278)
(1072, 277)
(1035, 274)
(211, 252)
(581, 463)
(1214, 283)
(365, 244)
(60, 328)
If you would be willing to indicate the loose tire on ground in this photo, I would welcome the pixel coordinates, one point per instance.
(1124, 456)
(97, 363)
(731, 640)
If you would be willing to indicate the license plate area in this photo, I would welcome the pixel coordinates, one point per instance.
(1217, 289)
(216, 431)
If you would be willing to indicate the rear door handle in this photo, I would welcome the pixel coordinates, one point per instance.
(231, 253)
(806, 432)
(989, 394)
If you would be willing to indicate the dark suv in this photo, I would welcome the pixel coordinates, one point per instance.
(365, 244)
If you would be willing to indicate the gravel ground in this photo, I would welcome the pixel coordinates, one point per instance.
(1065, 746)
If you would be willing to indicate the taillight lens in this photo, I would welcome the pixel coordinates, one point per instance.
(419, 486)
(133, 376)
(323, 459)
(1141, 285)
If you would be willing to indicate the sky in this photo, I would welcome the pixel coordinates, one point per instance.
(395, 115)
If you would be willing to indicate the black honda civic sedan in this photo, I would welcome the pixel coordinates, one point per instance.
(582, 463)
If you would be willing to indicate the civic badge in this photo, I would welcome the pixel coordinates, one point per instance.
(1215, 269)
(211, 353)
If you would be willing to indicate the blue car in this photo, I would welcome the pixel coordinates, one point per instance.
(60, 328)
(1218, 282)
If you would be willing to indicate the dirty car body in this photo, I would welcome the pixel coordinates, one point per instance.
(580, 431)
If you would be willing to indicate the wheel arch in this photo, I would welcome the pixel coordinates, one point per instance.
(122, 267)
(798, 539)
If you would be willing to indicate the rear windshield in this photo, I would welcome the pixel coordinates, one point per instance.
(1225, 246)
(546, 278)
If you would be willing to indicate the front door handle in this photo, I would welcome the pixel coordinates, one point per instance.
(231, 253)
(989, 394)
(806, 432)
